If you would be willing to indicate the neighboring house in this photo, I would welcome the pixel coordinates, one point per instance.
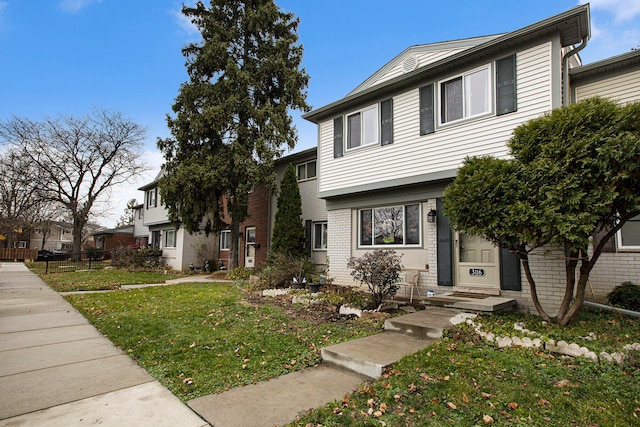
(314, 211)
(616, 78)
(140, 230)
(53, 236)
(388, 149)
(180, 249)
(113, 238)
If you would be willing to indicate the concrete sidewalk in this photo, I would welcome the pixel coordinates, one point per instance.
(58, 370)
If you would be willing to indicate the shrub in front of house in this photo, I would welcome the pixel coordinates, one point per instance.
(626, 296)
(380, 271)
(281, 269)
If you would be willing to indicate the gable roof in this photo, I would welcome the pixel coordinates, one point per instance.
(419, 56)
(572, 27)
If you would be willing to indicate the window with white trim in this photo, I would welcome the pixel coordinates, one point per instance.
(306, 170)
(390, 226)
(466, 95)
(629, 234)
(362, 127)
(152, 198)
(225, 236)
(320, 236)
(169, 238)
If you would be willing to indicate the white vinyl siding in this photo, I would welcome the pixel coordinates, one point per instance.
(622, 88)
(414, 155)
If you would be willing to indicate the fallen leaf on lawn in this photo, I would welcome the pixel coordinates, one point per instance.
(370, 411)
(424, 376)
(487, 419)
(447, 378)
(346, 399)
(377, 414)
(383, 407)
(544, 402)
(412, 388)
(486, 395)
(563, 383)
(337, 411)
(452, 405)
(187, 381)
(192, 345)
(370, 402)
(465, 399)
(512, 405)
(397, 397)
(492, 406)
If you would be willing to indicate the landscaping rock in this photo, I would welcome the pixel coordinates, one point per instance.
(274, 292)
(345, 310)
(408, 309)
(388, 306)
(504, 342)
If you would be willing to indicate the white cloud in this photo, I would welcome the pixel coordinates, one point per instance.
(185, 23)
(615, 28)
(75, 6)
(622, 10)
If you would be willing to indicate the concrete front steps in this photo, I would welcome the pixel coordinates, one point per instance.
(404, 335)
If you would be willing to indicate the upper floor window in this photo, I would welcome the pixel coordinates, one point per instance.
(306, 170)
(362, 127)
(469, 95)
(390, 226)
(225, 236)
(466, 96)
(152, 198)
(629, 234)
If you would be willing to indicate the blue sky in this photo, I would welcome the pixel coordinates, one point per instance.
(69, 56)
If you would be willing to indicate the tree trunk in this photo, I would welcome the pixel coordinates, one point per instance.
(234, 244)
(532, 286)
(78, 226)
(570, 277)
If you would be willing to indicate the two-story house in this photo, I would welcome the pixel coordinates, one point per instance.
(180, 249)
(388, 149)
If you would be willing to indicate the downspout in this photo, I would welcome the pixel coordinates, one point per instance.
(565, 71)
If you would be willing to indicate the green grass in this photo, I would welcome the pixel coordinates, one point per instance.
(199, 339)
(105, 279)
(460, 381)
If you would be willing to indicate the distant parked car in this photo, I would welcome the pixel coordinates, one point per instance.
(46, 255)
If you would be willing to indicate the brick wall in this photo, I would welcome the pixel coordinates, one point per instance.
(339, 250)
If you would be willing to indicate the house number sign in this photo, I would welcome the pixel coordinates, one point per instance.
(476, 272)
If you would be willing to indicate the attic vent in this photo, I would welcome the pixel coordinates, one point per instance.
(410, 64)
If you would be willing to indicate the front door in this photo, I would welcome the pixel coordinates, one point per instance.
(250, 247)
(477, 262)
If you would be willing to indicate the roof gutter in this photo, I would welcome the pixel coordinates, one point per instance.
(565, 71)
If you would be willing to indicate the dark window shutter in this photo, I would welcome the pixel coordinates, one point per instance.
(445, 248)
(308, 225)
(386, 121)
(427, 123)
(155, 200)
(338, 130)
(509, 271)
(506, 99)
(610, 246)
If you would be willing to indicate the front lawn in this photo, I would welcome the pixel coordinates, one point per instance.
(464, 380)
(199, 339)
(105, 279)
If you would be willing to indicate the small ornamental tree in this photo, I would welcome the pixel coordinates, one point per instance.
(574, 172)
(380, 271)
(288, 231)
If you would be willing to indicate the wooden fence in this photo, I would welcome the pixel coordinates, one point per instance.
(15, 254)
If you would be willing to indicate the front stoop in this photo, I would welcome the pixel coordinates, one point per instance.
(370, 355)
(424, 324)
(404, 335)
(491, 304)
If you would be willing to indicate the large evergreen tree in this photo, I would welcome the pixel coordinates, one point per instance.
(288, 231)
(574, 172)
(232, 116)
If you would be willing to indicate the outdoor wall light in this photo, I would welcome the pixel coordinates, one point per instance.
(431, 216)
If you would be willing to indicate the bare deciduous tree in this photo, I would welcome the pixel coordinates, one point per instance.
(78, 159)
